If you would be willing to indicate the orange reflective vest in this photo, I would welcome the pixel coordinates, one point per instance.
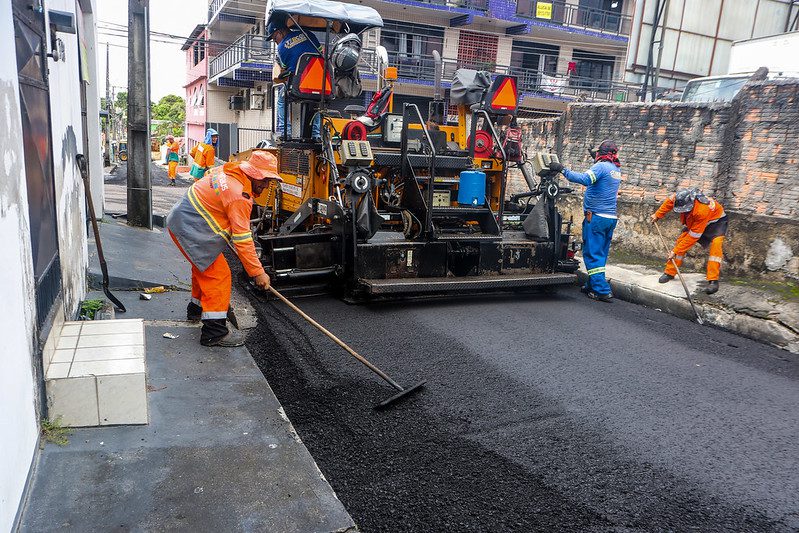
(172, 151)
(696, 220)
(203, 154)
(216, 211)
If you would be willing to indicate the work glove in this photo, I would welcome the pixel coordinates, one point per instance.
(556, 167)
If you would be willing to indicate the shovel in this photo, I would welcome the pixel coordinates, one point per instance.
(83, 167)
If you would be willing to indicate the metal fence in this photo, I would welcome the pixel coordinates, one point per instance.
(245, 48)
(477, 5)
(250, 137)
(422, 68)
(578, 16)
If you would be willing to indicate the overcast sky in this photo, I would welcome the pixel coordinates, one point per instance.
(168, 66)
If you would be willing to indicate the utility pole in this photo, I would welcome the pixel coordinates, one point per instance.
(108, 107)
(660, 49)
(140, 192)
(650, 57)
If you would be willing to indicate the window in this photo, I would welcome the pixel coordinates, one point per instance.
(594, 71)
(600, 14)
(537, 56)
(530, 60)
(410, 47)
(198, 52)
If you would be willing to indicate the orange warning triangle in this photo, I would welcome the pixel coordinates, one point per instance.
(311, 79)
(505, 97)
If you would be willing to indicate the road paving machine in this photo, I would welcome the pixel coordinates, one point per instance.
(396, 203)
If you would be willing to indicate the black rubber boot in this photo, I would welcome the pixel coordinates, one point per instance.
(712, 287)
(194, 313)
(665, 278)
(212, 331)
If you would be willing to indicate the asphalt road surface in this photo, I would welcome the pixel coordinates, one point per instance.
(541, 413)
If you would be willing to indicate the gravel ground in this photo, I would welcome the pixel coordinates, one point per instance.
(158, 176)
(542, 413)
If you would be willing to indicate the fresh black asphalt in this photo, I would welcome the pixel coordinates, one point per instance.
(541, 413)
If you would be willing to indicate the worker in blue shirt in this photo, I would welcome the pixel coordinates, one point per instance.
(291, 44)
(599, 205)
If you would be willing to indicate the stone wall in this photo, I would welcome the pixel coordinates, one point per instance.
(744, 153)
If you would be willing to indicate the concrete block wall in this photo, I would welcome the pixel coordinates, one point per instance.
(742, 153)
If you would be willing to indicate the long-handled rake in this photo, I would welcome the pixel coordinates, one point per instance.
(679, 275)
(402, 391)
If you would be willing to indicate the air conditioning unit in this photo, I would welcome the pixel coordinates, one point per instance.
(257, 100)
(236, 102)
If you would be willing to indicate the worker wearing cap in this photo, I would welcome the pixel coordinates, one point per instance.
(291, 45)
(172, 158)
(602, 182)
(705, 222)
(204, 153)
(214, 214)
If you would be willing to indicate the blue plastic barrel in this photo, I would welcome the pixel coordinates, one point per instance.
(472, 188)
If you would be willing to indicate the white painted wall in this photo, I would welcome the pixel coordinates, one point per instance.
(21, 342)
(93, 108)
(67, 136)
(17, 390)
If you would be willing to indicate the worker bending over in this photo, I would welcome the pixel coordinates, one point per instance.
(599, 205)
(172, 158)
(204, 154)
(291, 44)
(705, 222)
(215, 212)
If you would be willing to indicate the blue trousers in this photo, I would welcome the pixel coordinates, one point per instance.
(596, 246)
(281, 117)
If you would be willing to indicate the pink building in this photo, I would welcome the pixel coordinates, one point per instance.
(196, 85)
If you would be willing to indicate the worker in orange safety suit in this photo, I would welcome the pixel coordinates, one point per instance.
(204, 153)
(172, 158)
(215, 212)
(705, 222)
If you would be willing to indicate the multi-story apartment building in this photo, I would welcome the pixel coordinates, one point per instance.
(196, 84)
(560, 51)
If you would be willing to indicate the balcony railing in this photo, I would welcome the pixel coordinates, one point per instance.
(476, 5)
(579, 17)
(421, 69)
(244, 9)
(247, 48)
(213, 7)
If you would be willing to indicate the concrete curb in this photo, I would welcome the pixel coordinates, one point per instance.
(715, 313)
(630, 292)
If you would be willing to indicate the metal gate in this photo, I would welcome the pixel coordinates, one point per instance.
(29, 33)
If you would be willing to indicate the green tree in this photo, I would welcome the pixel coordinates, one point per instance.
(172, 110)
(121, 103)
(121, 106)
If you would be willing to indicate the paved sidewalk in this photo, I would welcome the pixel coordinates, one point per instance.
(746, 310)
(218, 454)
